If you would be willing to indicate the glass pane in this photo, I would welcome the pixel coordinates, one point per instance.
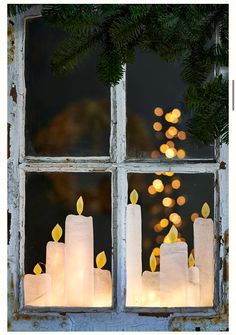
(65, 115)
(50, 199)
(159, 263)
(157, 117)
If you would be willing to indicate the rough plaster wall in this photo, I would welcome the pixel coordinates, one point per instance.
(117, 320)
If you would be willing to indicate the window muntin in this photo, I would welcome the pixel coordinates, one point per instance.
(153, 83)
(65, 115)
(119, 116)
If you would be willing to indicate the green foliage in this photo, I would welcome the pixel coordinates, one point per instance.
(174, 31)
(210, 105)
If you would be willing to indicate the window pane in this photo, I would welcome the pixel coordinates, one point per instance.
(154, 90)
(65, 115)
(168, 200)
(50, 198)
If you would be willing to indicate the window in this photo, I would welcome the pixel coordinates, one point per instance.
(71, 139)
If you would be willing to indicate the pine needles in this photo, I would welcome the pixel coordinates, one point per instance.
(183, 32)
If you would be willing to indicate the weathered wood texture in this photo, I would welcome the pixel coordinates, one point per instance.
(118, 318)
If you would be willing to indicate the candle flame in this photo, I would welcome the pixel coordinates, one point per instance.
(80, 205)
(172, 236)
(56, 233)
(37, 269)
(101, 259)
(205, 210)
(191, 260)
(133, 197)
(152, 262)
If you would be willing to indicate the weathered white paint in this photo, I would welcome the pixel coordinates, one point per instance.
(118, 318)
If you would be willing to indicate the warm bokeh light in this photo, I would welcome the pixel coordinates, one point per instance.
(172, 131)
(176, 112)
(170, 153)
(157, 126)
(175, 218)
(168, 117)
(151, 189)
(164, 223)
(167, 202)
(158, 111)
(168, 135)
(160, 239)
(176, 184)
(169, 174)
(181, 200)
(163, 148)
(157, 183)
(181, 135)
(194, 216)
(158, 260)
(181, 154)
(170, 144)
(157, 228)
(155, 154)
(156, 251)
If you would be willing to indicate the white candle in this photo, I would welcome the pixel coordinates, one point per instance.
(173, 271)
(151, 285)
(204, 255)
(55, 259)
(133, 252)
(79, 274)
(102, 283)
(193, 284)
(151, 289)
(37, 288)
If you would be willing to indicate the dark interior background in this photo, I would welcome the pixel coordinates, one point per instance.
(65, 115)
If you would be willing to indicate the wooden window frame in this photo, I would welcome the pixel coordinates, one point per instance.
(119, 166)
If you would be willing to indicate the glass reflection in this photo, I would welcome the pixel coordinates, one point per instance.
(50, 197)
(156, 112)
(65, 116)
(170, 199)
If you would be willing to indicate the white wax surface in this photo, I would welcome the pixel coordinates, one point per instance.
(37, 290)
(133, 256)
(79, 271)
(203, 230)
(55, 261)
(151, 289)
(102, 288)
(173, 274)
(193, 287)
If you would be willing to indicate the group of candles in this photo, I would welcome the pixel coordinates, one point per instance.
(70, 278)
(182, 281)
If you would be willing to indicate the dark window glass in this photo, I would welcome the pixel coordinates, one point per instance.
(157, 117)
(183, 194)
(65, 115)
(50, 197)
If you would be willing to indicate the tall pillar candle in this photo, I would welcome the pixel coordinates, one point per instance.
(102, 283)
(79, 271)
(37, 288)
(133, 252)
(151, 285)
(203, 229)
(55, 258)
(173, 271)
(193, 284)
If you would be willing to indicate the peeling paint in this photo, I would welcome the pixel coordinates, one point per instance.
(11, 41)
(118, 319)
